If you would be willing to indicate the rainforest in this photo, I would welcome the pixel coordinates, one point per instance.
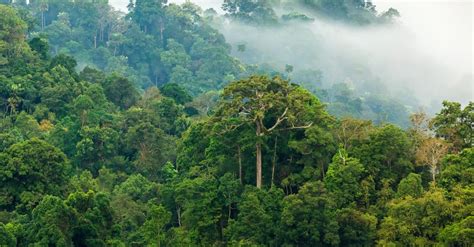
(230, 123)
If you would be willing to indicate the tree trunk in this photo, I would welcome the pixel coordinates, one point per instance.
(259, 157)
(178, 213)
(42, 20)
(322, 169)
(101, 33)
(274, 160)
(259, 165)
(83, 118)
(162, 29)
(240, 164)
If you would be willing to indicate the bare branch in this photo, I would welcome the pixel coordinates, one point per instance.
(279, 120)
(299, 127)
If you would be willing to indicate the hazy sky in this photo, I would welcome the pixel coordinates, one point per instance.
(444, 28)
(441, 29)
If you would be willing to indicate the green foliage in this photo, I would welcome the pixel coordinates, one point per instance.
(295, 16)
(410, 186)
(148, 144)
(308, 217)
(175, 166)
(458, 169)
(6, 236)
(316, 147)
(82, 219)
(30, 170)
(268, 105)
(153, 228)
(27, 126)
(254, 12)
(52, 223)
(352, 11)
(137, 188)
(411, 220)
(176, 92)
(356, 228)
(65, 61)
(385, 153)
(192, 146)
(120, 91)
(40, 46)
(198, 208)
(14, 51)
(257, 222)
(459, 233)
(93, 217)
(96, 145)
(455, 124)
(343, 179)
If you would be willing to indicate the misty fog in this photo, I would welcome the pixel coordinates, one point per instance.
(424, 58)
(373, 58)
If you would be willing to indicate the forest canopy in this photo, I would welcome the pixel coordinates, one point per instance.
(143, 129)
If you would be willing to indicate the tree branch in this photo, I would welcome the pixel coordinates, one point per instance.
(299, 127)
(279, 121)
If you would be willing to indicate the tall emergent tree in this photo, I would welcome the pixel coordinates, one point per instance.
(268, 105)
(430, 153)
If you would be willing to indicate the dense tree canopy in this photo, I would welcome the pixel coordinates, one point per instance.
(143, 130)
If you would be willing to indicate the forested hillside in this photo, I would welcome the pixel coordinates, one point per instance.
(145, 129)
